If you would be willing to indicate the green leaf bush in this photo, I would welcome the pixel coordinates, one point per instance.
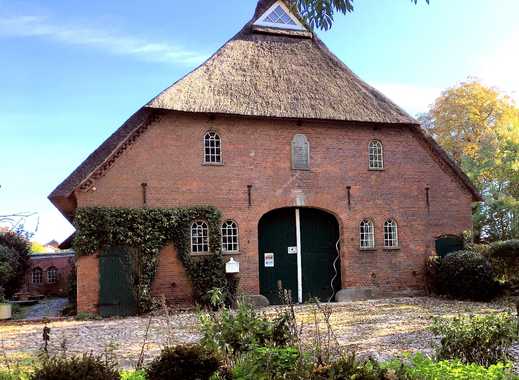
(271, 363)
(483, 340)
(421, 367)
(233, 333)
(14, 260)
(504, 258)
(467, 275)
(184, 362)
(86, 367)
(348, 367)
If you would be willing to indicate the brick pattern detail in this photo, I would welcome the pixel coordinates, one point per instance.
(171, 279)
(89, 183)
(88, 284)
(169, 158)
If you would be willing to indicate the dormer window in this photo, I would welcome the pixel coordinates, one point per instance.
(279, 16)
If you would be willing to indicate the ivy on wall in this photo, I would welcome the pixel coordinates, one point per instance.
(145, 232)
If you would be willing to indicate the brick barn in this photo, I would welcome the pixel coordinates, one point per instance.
(324, 183)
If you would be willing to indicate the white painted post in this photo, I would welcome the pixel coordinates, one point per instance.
(299, 262)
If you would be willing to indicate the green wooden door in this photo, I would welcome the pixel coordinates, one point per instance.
(447, 244)
(276, 233)
(116, 297)
(319, 236)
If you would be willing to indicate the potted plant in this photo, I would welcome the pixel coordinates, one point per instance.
(5, 307)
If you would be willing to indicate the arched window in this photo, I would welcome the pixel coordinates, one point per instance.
(390, 234)
(212, 148)
(37, 276)
(52, 275)
(367, 234)
(199, 237)
(230, 239)
(376, 155)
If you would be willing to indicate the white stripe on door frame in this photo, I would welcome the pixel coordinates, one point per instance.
(299, 262)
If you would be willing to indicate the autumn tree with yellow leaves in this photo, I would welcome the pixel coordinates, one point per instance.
(479, 127)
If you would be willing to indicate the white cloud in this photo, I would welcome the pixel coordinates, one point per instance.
(413, 99)
(156, 51)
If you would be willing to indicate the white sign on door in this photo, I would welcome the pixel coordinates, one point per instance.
(269, 260)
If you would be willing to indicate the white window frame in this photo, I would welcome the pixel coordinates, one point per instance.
(40, 276)
(367, 239)
(376, 155)
(199, 243)
(212, 158)
(261, 20)
(231, 231)
(391, 234)
(52, 275)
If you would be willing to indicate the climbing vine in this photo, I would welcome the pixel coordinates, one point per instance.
(145, 232)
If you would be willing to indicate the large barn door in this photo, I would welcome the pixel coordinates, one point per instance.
(277, 232)
(320, 259)
(297, 249)
(116, 296)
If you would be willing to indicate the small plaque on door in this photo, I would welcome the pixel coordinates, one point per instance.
(269, 260)
(292, 250)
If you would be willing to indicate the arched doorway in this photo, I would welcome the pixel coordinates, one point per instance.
(298, 250)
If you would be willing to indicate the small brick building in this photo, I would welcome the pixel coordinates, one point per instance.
(323, 182)
(48, 274)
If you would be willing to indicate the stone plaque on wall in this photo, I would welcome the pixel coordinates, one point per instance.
(300, 153)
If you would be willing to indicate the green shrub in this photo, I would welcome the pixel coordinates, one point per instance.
(423, 368)
(18, 258)
(86, 367)
(467, 275)
(271, 363)
(483, 340)
(133, 375)
(504, 249)
(432, 270)
(233, 333)
(184, 362)
(348, 367)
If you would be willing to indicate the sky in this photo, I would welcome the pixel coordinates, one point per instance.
(71, 72)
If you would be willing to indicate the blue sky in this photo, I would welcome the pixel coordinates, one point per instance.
(73, 71)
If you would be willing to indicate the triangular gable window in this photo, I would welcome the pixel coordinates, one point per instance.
(279, 16)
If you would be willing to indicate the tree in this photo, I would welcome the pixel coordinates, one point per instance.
(320, 13)
(14, 259)
(479, 127)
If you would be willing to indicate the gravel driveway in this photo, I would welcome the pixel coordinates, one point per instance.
(380, 328)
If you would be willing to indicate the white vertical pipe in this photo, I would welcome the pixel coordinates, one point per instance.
(299, 261)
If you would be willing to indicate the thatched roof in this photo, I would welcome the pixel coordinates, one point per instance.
(261, 72)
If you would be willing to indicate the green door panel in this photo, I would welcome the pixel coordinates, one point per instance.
(116, 296)
(447, 244)
(319, 236)
(277, 232)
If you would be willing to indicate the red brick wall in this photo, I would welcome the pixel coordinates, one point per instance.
(171, 279)
(168, 157)
(87, 284)
(63, 264)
